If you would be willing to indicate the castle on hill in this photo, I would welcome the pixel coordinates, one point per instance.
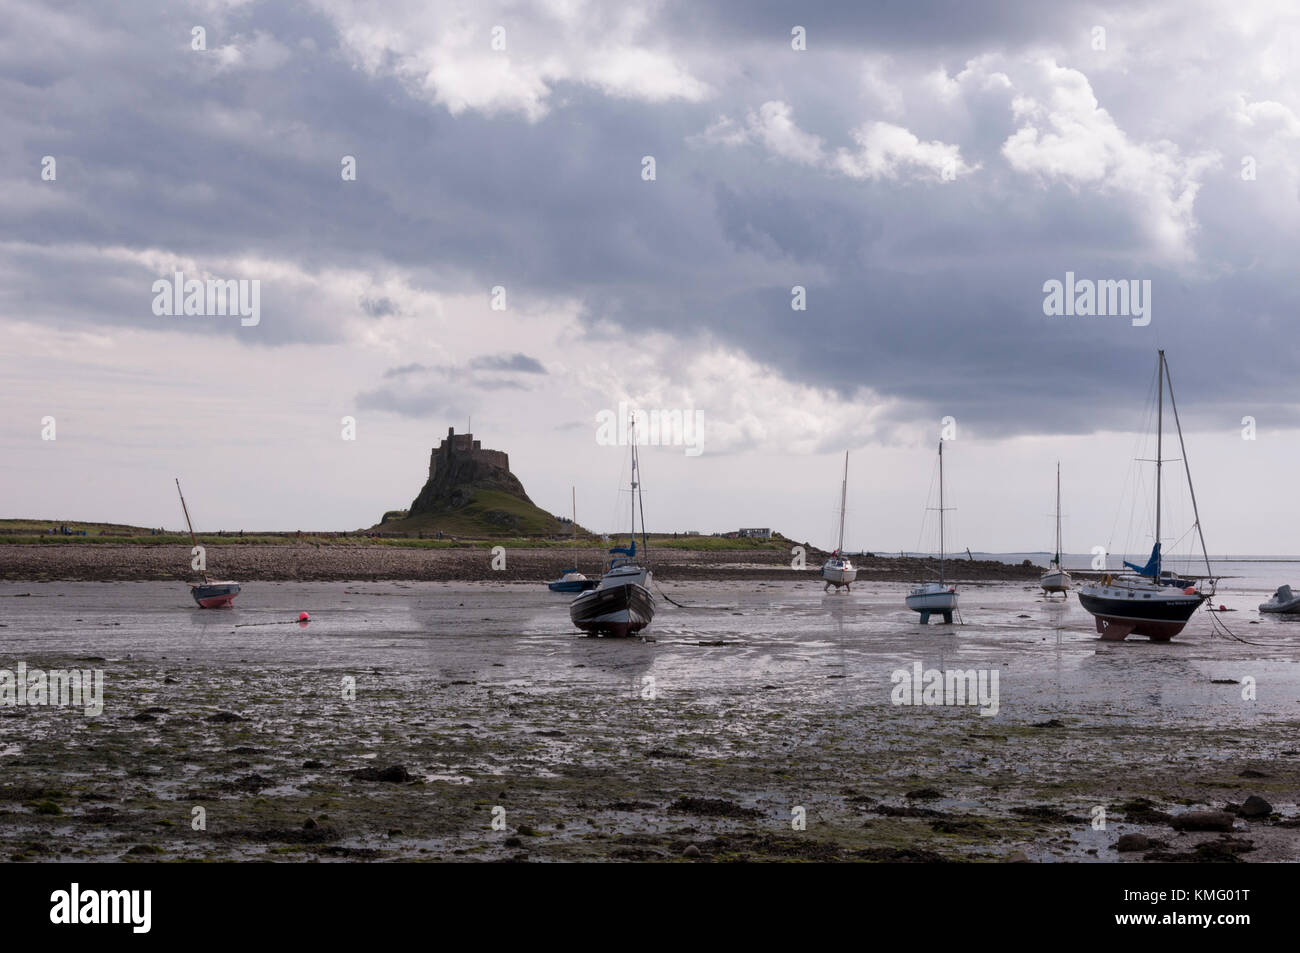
(470, 493)
(457, 467)
(456, 447)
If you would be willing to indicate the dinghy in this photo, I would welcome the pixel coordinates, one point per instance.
(1284, 600)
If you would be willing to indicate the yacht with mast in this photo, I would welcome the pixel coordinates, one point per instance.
(208, 594)
(572, 580)
(838, 569)
(1151, 601)
(1056, 579)
(621, 604)
(939, 597)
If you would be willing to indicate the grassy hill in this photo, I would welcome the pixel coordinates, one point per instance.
(488, 513)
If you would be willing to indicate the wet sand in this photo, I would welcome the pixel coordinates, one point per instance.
(764, 698)
(351, 560)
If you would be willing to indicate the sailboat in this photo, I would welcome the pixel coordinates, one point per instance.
(1150, 601)
(838, 570)
(1056, 579)
(571, 580)
(208, 594)
(621, 604)
(935, 596)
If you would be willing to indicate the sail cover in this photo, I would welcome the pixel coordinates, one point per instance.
(630, 553)
(1152, 568)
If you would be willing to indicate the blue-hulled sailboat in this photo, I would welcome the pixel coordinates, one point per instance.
(572, 580)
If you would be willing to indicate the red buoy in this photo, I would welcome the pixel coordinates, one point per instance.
(303, 617)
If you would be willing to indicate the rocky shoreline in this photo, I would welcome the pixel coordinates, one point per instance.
(325, 562)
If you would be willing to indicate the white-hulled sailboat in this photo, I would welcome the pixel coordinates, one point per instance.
(208, 594)
(1151, 602)
(838, 569)
(1056, 579)
(935, 596)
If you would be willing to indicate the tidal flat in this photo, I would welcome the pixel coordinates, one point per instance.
(414, 721)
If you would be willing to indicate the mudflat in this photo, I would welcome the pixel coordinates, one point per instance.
(764, 721)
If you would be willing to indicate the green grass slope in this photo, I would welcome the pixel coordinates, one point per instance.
(488, 513)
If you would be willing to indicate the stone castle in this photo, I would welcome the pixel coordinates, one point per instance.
(459, 465)
(463, 447)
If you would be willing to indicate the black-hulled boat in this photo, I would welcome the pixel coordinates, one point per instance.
(621, 605)
(1150, 601)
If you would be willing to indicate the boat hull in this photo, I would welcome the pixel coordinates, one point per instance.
(1119, 614)
(1276, 608)
(839, 575)
(933, 598)
(215, 595)
(572, 585)
(1055, 581)
(620, 611)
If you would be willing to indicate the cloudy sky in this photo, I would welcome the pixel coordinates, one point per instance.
(920, 170)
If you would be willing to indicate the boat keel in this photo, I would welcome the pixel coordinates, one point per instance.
(946, 613)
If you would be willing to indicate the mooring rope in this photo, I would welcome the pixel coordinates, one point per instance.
(679, 605)
(1217, 623)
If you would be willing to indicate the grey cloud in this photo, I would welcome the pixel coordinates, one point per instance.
(508, 362)
(929, 293)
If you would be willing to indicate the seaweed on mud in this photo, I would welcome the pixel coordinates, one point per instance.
(711, 807)
(1047, 812)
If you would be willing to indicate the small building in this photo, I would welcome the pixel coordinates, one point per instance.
(755, 533)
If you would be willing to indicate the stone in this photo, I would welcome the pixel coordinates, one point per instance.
(1255, 806)
(1203, 821)
(1129, 842)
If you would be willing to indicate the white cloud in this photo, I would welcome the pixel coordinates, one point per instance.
(774, 127)
(884, 149)
(887, 151)
(1268, 115)
(261, 51)
(445, 53)
(1068, 137)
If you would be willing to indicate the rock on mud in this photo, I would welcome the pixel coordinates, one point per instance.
(1203, 821)
(393, 774)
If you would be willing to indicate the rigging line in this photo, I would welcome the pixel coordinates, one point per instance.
(1188, 467)
(1132, 473)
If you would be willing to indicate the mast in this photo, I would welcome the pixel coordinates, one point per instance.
(1160, 428)
(640, 499)
(636, 491)
(1188, 467)
(574, 490)
(1058, 514)
(941, 511)
(844, 491)
(186, 510)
